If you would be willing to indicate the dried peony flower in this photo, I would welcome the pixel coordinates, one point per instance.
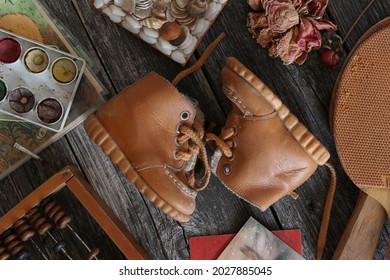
(266, 37)
(290, 29)
(257, 22)
(287, 48)
(309, 37)
(317, 7)
(281, 15)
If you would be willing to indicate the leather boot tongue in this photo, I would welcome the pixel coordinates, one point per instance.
(245, 90)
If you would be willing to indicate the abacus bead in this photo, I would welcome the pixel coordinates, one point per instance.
(24, 255)
(94, 252)
(59, 246)
(5, 256)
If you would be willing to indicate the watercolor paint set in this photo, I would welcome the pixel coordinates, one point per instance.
(37, 82)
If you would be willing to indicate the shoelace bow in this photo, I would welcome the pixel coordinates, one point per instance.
(196, 148)
(223, 141)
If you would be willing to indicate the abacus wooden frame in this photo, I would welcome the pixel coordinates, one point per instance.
(89, 198)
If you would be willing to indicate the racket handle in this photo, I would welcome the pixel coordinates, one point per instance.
(360, 237)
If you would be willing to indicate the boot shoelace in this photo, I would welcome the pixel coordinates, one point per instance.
(196, 149)
(223, 141)
(225, 144)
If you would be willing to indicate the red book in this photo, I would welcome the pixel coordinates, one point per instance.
(210, 247)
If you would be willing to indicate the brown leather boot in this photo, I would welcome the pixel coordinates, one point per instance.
(151, 132)
(264, 152)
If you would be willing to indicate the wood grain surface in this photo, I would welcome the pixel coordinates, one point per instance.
(124, 59)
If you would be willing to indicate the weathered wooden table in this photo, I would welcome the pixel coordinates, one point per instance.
(306, 90)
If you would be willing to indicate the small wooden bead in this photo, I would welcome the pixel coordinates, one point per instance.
(5, 256)
(94, 252)
(24, 255)
(23, 229)
(59, 247)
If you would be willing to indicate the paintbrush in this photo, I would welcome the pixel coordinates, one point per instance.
(16, 145)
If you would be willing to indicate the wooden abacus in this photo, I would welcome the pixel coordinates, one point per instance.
(38, 213)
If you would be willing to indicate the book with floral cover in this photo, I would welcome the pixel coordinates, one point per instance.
(210, 247)
(255, 242)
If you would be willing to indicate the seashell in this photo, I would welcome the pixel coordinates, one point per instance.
(162, 49)
(170, 31)
(98, 4)
(150, 32)
(153, 22)
(187, 41)
(188, 50)
(114, 18)
(211, 12)
(129, 27)
(133, 22)
(165, 44)
(196, 8)
(126, 5)
(159, 9)
(193, 24)
(178, 56)
(188, 20)
(199, 26)
(205, 28)
(143, 4)
(182, 3)
(117, 11)
(142, 14)
(147, 38)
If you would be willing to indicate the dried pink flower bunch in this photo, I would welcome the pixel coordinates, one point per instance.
(289, 28)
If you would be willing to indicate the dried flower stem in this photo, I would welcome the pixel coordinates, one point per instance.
(356, 21)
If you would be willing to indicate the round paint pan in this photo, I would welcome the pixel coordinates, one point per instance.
(49, 110)
(64, 70)
(36, 60)
(10, 50)
(21, 100)
(3, 90)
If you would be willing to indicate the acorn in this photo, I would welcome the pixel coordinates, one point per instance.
(173, 32)
(197, 8)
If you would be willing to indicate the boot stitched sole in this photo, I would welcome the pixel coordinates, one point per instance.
(102, 138)
(307, 141)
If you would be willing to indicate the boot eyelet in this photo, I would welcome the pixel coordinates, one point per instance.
(177, 142)
(184, 116)
(175, 155)
(232, 157)
(227, 169)
(178, 128)
(234, 144)
(235, 130)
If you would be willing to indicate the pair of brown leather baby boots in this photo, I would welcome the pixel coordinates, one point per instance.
(154, 134)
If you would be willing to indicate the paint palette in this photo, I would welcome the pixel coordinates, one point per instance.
(37, 83)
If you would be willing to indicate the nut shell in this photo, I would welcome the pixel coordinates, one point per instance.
(170, 31)
(197, 8)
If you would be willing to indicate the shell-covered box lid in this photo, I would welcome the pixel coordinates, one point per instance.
(174, 27)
